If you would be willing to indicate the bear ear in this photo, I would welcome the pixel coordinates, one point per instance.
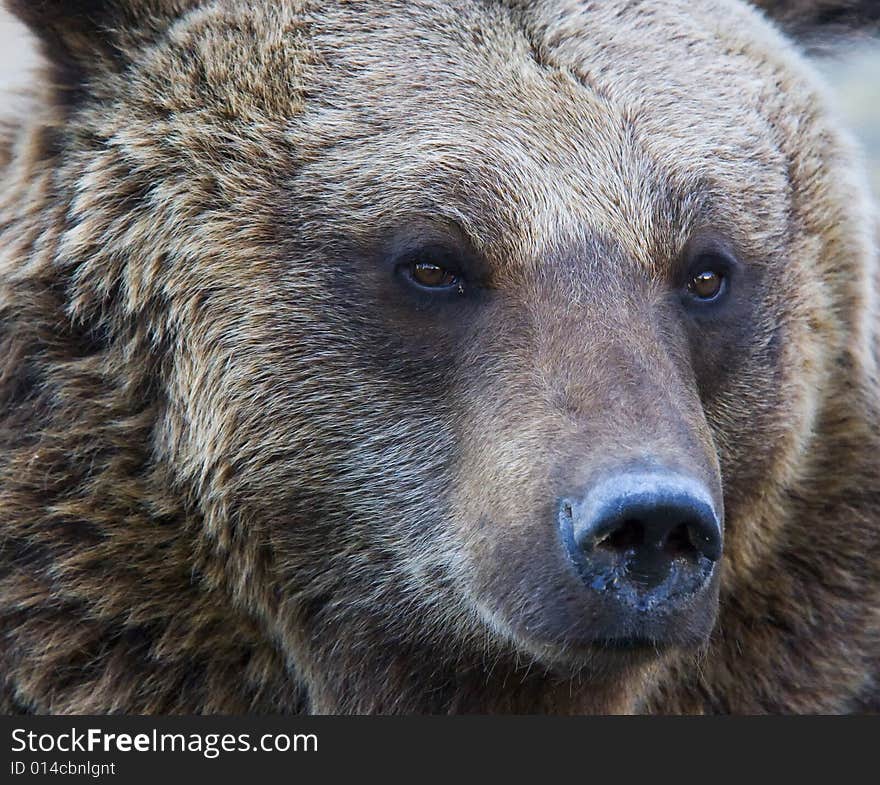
(80, 36)
(815, 21)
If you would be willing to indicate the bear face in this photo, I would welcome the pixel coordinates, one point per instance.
(464, 333)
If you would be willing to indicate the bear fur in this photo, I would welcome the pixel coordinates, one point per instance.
(240, 472)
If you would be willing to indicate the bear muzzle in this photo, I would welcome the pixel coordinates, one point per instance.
(645, 543)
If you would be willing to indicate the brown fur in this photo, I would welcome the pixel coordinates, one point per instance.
(239, 473)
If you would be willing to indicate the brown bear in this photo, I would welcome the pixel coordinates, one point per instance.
(431, 357)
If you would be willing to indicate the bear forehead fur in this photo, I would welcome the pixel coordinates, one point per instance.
(237, 475)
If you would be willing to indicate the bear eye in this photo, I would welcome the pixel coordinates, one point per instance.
(706, 285)
(433, 276)
(709, 278)
(433, 270)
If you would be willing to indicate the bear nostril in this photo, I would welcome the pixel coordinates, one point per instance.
(631, 534)
(680, 541)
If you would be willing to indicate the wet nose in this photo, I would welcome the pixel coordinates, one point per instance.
(643, 532)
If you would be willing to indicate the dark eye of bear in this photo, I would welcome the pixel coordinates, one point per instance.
(706, 285)
(433, 276)
(432, 269)
(709, 279)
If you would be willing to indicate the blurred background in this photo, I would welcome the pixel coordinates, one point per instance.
(854, 73)
(855, 77)
(16, 55)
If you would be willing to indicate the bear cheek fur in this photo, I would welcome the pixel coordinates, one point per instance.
(325, 521)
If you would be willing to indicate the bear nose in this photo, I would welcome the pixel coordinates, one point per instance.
(642, 531)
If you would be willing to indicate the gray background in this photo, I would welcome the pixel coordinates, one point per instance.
(854, 74)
